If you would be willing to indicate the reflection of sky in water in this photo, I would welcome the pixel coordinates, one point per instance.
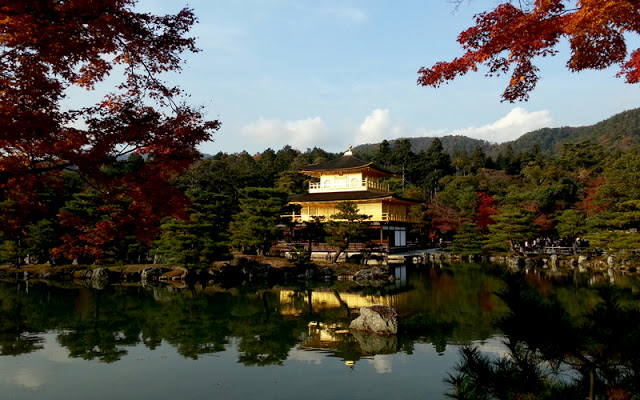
(32, 371)
(163, 374)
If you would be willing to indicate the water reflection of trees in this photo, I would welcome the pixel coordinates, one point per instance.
(439, 306)
(103, 324)
(553, 352)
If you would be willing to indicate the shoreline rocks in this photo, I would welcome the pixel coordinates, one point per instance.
(580, 262)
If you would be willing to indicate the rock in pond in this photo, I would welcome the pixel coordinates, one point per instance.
(379, 319)
(371, 274)
(100, 274)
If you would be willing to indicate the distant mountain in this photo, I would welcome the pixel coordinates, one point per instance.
(451, 145)
(620, 132)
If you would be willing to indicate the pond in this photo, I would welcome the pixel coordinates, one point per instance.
(74, 341)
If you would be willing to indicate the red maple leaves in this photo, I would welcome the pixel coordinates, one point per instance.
(49, 46)
(509, 38)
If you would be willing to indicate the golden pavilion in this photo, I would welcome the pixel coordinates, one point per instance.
(350, 179)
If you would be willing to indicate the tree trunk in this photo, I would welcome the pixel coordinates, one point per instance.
(335, 258)
(309, 251)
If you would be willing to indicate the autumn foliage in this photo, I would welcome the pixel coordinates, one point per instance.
(49, 47)
(509, 38)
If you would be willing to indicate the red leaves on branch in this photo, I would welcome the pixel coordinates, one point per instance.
(487, 207)
(49, 46)
(508, 39)
(444, 219)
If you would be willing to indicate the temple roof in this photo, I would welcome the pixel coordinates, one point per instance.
(346, 163)
(345, 196)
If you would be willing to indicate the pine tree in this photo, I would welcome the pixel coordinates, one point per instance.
(346, 227)
(513, 225)
(572, 224)
(202, 239)
(469, 240)
(255, 228)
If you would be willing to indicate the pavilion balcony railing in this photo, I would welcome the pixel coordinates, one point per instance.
(347, 185)
(327, 217)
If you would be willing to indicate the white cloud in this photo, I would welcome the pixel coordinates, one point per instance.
(382, 364)
(375, 127)
(299, 134)
(379, 125)
(29, 378)
(513, 125)
(306, 356)
(347, 13)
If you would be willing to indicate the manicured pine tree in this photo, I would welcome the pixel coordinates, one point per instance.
(616, 228)
(571, 224)
(200, 240)
(255, 228)
(513, 225)
(42, 236)
(345, 227)
(470, 240)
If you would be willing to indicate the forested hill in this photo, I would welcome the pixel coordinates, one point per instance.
(451, 144)
(622, 131)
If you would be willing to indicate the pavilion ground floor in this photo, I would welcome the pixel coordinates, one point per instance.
(382, 240)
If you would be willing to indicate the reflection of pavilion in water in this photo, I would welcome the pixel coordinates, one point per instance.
(336, 338)
(323, 299)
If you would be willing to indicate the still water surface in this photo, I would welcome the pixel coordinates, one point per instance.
(75, 341)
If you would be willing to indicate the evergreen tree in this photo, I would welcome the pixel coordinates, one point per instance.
(616, 228)
(200, 240)
(383, 155)
(266, 164)
(429, 167)
(582, 155)
(345, 227)
(10, 252)
(42, 237)
(401, 156)
(571, 224)
(478, 159)
(514, 225)
(255, 228)
(112, 237)
(313, 232)
(469, 240)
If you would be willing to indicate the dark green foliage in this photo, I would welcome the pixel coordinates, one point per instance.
(470, 240)
(513, 226)
(552, 354)
(256, 227)
(345, 227)
(451, 145)
(620, 132)
(42, 237)
(571, 224)
(429, 167)
(553, 171)
(583, 155)
(202, 239)
(383, 155)
(89, 209)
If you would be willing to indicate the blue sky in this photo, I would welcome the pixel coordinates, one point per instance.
(331, 74)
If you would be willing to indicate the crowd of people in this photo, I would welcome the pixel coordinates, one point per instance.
(541, 244)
